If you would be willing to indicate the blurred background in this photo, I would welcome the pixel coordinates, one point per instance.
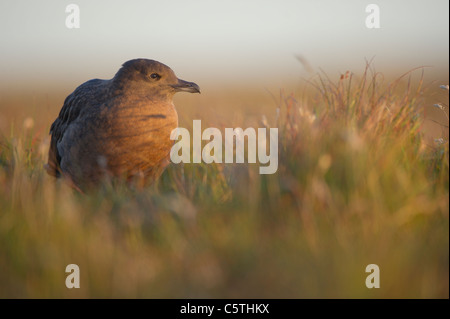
(239, 52)
(356, 183)
(218, 43)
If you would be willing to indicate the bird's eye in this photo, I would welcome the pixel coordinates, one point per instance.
(155, 76)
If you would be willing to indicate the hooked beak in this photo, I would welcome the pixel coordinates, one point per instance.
(185, 86)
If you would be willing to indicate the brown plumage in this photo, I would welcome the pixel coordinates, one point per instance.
(118, 128)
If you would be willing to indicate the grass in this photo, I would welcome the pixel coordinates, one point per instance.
(356, 185)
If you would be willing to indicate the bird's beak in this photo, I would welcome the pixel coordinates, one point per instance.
(185, 86)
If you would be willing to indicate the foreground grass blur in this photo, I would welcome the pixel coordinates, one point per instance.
(356, 185)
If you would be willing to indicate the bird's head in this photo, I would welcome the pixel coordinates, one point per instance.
(152, 76)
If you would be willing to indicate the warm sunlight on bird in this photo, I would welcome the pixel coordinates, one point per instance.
(117, 128)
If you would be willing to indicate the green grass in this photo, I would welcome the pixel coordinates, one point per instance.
(356, 185)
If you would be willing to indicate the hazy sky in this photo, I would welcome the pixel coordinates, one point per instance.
(212, 42)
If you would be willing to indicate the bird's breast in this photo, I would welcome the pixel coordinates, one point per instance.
(137, 138)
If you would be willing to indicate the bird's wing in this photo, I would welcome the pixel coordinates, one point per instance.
(83, 97)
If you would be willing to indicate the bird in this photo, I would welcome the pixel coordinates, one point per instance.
(117, 129)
